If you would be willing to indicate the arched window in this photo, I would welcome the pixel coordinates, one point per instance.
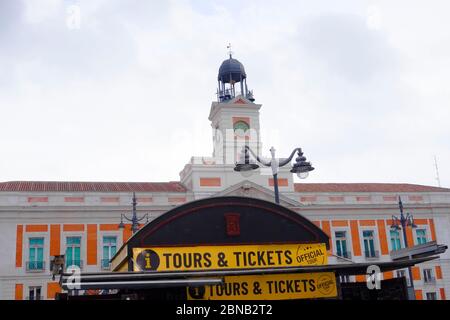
(241, 127)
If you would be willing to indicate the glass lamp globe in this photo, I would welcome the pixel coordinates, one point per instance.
(246, 173)
(302, 175)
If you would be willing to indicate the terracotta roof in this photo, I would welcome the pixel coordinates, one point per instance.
(365, 187)
(55, 186)
(173, 186)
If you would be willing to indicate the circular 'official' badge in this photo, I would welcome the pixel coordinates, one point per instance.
(148, 260)
(325, 284)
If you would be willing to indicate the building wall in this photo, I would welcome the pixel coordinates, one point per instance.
(55, 215)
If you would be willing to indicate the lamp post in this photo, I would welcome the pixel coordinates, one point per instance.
(405, 221)
(300, 167)
(134, 218)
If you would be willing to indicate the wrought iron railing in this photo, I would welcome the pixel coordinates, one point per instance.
(35, 266)
(344, 254)
(429, 280)
(372, 254)
(78, 263)
(106, 264)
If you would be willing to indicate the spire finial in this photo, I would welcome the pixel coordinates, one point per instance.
(229, 50)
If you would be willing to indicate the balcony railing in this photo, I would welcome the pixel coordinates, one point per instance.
(106, 265)
(429, 280)
(345, 254)
(35, 266)
(372, 254)
(78, 263)
(35, 298)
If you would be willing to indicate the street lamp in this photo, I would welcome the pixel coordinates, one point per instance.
(300, 167)
(134, 219)
(404, 221)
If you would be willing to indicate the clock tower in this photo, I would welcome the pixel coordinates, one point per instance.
(235, 123)
(234, 116)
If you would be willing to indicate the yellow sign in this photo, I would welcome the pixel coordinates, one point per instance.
(228, 257)
(269, 287)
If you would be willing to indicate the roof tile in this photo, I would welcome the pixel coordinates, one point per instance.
(56, 186)
(365, 187)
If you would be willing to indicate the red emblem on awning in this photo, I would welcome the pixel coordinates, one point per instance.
(232, 224)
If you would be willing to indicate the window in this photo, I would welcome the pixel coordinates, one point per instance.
(240, 128)
(431, 296)
(421, 236)
(109, 250)
(341, 244)
(395, 240)
(402, 274)
(428, 276)
(73, 251)
(369, 244)
(36, 254)
(344, 278)
(34, 293)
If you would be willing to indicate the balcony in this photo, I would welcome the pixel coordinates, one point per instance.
(429, 280)
(372, 255)
(345, 254)
(106, 265)
(35, 266)
(78, 263)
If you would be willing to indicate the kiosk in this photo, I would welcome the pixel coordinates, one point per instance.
(232, 248)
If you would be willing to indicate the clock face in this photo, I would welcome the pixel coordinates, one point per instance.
(241, 127)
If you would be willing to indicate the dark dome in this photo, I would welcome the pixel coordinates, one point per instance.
(231, 69)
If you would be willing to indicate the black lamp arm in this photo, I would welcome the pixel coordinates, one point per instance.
(267, 164)
(126, 218)
(143, 217)
(286, 161)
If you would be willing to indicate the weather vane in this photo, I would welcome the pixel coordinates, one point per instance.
(229, 49)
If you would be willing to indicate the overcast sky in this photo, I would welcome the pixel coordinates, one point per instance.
(96, 90)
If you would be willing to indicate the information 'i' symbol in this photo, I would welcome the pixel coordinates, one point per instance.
(148, 263)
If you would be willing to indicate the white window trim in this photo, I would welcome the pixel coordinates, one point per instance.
(406, 271)
(438, 296)
(80, 234)
(388, 236)
(118, 234)
(376, 239)
(29, 286)
(427, 233)
(46, 254)
(348, 237)
(432, 274)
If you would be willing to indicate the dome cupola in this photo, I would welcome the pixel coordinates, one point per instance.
(231, 72)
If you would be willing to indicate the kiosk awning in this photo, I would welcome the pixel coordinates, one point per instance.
(147, 280)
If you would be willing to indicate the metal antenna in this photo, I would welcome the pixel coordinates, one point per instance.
(437, 172)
